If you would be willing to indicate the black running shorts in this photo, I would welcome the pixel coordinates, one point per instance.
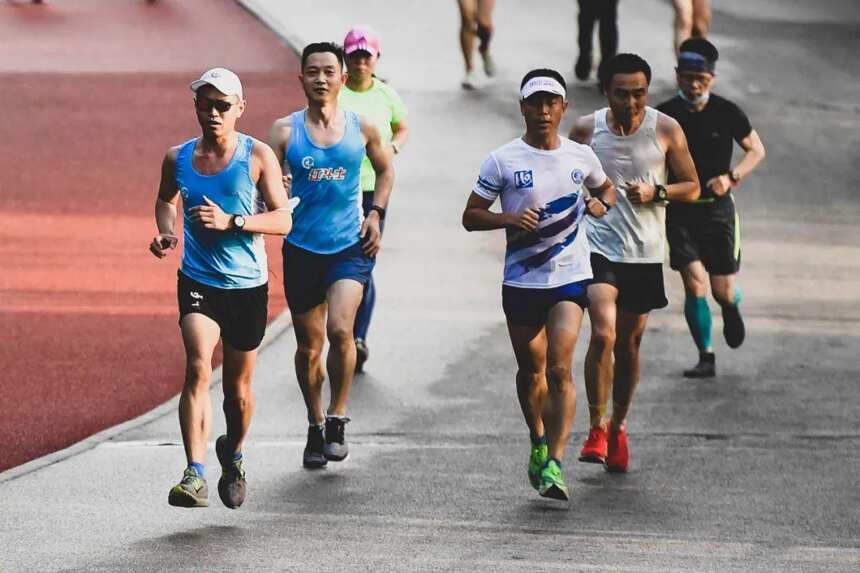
(698, 232)
(640, 285)
(241, 312)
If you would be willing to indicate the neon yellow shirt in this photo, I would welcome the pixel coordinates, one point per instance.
(382, 107)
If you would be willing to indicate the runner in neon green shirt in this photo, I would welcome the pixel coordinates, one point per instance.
(372, 98)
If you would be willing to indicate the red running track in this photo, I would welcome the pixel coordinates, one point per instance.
(94, 94)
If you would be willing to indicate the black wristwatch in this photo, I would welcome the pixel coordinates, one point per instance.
(237, 223)
(379, 210)
(734, 176)
(660, 194)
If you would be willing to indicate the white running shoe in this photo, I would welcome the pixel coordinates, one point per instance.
(489, 64)
(469, 82)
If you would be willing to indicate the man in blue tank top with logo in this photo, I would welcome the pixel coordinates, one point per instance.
(232, 193)
(330, 253)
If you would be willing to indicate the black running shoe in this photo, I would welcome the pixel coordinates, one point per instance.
(733, 326)
(232, 485)
(335, 448)
(313, 457)
(705, 368)
(361, 354)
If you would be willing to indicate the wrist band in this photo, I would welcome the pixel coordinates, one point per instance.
(379, 210)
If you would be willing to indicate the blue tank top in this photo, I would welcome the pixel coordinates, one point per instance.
(328, 219)
(221, 259)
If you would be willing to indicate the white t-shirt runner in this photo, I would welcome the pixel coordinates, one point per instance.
(550, 181)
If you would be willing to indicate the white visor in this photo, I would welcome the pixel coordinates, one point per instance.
(543, 84)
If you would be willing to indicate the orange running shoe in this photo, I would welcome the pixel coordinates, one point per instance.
(595, 446)
(618, 456)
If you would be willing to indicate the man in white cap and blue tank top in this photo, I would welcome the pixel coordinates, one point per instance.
(330, 253)
(232, 193)
(636, 144)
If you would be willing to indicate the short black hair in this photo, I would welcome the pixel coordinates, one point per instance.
(543, 73)
(622, 64)
(702, 47)
(322, 47)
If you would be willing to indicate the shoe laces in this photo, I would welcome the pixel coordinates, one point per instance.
(334, 429)
(315, 438)
(190, 477)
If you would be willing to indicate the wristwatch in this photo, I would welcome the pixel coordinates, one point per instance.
(660, 194)
(395, 147)
(237, 223)
(735, 176)
(379, 210)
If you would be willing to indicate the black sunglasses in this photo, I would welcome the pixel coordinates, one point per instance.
(206, 104)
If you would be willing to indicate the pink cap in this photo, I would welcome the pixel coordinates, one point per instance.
(361, 38)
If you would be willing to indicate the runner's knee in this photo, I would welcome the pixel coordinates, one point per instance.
(307, 355)
(339, 334)
(197, 372)
(602, 340)
(558, 375)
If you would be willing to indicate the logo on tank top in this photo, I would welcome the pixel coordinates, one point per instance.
(524, 179)
(578, 176)
(184, 192)
(307, 162)
(327, 174)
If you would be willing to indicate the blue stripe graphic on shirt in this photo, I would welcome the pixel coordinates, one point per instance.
(532, 238)
(518, 269)
(488, 185)
(558, 205)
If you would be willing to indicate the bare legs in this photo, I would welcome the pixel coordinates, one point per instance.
(692, 20)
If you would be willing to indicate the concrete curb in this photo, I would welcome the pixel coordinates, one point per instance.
(267, 19)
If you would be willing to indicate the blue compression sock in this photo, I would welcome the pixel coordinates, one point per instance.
(698, 317)
(737, 300)
(199, 468)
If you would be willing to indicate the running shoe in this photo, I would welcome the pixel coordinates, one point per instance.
(618, 453)
(552, 482)
(537, 459)
(313, 456)
(469, 82)
(232, 485)
(361, 354)
(335, 448)
(192, 491)
(705, 368)
(733, 325)
(489, 64)
(595, 447)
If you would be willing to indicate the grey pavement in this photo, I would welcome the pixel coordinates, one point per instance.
(753, 471)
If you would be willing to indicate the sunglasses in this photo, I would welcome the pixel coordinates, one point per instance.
(206, 104)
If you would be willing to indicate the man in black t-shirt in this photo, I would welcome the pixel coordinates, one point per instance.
(704, 236)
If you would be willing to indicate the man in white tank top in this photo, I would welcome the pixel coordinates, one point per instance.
(635, 144)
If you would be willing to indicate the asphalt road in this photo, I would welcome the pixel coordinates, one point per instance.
(755, 470)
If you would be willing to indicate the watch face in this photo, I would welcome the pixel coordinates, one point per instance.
(239, 221)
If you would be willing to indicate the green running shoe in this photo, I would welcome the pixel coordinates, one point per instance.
(192, 491)
(232, 485)
(537, 459)
(552, 482)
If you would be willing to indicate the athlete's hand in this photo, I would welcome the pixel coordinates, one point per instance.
(370, 234)
(210, 215)
(720, 185)
(288, 184)
(595, 208)
(527, 220)
(162, 243)
(639, 192)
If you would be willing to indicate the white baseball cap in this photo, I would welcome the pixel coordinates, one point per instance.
(221, 79)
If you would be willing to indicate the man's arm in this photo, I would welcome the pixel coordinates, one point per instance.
(478, 217)
(755, 153)
(384, 170)
(686, 187)
(582, 129)
(605, 195)
(400, 134)
(165, 207)
(266, 173)
(279, 138)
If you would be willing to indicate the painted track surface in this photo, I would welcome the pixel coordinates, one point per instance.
(88, 334)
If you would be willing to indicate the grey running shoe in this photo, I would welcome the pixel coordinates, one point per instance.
(313, 457)
(469, 82)
(232, 485)
(733, 326)
(361, 354)
(489, 64)
(192, 491)
(335, 448)
(705, 368)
